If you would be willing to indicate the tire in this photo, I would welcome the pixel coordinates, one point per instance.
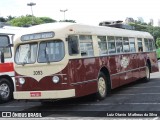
(6, 90)
(147, 78)
(102, 87)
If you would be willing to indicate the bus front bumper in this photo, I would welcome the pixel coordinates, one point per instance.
(55, 94)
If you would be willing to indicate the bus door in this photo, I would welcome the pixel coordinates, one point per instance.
(83, 67)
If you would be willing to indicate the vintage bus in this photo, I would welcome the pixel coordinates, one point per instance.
(6, 62)
(64, 60)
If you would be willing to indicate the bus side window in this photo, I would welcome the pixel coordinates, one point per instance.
(102, 45)
(119, 47)
(86, 45)
(111, 45)
(132, 44)
(73, 45)
(126, 47)
(146, 45)
(150, 42)
(4, 46)
(140, 46)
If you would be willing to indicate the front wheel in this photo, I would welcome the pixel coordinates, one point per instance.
(102, 88)
(6, 90)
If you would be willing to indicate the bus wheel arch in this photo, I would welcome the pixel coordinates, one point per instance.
(6, 88)
(103, 84)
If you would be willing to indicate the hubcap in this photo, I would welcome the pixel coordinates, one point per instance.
(101, 86)
(4, 90)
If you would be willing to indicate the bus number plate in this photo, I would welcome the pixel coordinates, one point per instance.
(37, 73)
(35, 94)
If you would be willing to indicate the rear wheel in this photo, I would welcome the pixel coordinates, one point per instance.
(102, 88)
(6, 90)
(147, 78)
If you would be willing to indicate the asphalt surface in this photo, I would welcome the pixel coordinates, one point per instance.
(136, 98)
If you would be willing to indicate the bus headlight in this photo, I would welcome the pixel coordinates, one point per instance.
(55, 79)
(21, 81)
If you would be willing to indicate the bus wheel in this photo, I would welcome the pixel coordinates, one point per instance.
(147, 78)
(102, 87)
(6, 90)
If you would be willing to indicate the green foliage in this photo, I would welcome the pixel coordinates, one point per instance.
(10, 18)
(154, 31)
(28, 20)
(47, 20)
(2, 19)
(158, 42)
(25, 20)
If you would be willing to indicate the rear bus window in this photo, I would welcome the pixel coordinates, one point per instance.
(146, 45)
(150, 42)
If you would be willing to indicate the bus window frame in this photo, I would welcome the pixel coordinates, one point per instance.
(77, 45)
(101, 41)
(126, 38)
(121, 39)
(113, 38)
(7, 47)
(49, 41)
(86, 41)
(19, 63)
(132, 38)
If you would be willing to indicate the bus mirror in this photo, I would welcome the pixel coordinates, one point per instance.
(2, 57)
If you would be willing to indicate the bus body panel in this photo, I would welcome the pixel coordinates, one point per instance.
(154, 63)
(73, 76)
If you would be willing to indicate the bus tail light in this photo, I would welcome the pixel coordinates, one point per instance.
(55, 79)
(21, 81)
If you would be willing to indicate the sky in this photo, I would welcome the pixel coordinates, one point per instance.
(84, 11)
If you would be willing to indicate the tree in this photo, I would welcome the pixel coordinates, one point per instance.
(10, 18)
(28, 20)
(158, 42)
(2, 19)
(25, 21)
(47, 20)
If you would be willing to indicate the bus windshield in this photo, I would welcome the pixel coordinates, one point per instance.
(4, 46)
(26, 53)
(52, 51)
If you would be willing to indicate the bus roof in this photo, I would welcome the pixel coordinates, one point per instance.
(86, 29)
(9, 30)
